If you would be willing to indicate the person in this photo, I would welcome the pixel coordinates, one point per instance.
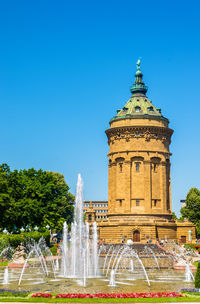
(123, 239)
(150, 241)
(161, 242)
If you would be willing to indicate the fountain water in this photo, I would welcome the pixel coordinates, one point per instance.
(5, 277)
(188, 274)
(131, 266)
(57, 264)
(112, 278)
(109, 263)
(149, 250)
(80, 260)
(104, 265)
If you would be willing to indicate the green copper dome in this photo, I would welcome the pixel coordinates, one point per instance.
(138, 106)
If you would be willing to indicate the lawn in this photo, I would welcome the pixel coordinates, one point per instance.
(188, 299)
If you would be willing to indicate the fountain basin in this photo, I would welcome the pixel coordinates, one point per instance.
(17, 265)
(182, 267)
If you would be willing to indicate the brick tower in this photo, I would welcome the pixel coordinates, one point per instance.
(139, 190)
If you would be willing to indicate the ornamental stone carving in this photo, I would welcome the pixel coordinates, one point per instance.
(148, 133)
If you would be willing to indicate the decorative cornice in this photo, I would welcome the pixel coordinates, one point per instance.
(138, 151)
(146, 132)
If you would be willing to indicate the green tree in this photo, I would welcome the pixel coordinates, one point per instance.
(34, 197)
(174, 216)
(191, 210)
(197, 277)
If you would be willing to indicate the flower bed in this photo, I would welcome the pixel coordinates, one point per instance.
(13, 293)
(191, 290)
(134, 295)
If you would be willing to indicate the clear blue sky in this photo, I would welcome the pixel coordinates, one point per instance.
(66, 66)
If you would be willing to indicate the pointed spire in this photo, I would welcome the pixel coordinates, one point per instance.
(138, 86)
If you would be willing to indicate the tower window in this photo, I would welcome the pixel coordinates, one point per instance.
(137, 167)
(155, 167)
(120, 167)
(120, 203)
(150, 109)
(137, 109)
(137, 202)
(89, 217)
(155, 203)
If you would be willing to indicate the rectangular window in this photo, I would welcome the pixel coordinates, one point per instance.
(137, 167)
(137, 203)
(155, 167)
(155, 203)
(120, 203)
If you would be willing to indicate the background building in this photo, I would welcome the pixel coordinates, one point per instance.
(97, 209)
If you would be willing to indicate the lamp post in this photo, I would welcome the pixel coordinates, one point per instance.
(5, 231)
(22, 229)
(49, 228)
(36, 228)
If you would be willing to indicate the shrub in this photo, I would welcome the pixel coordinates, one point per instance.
(197, 277)
(13, 293)
(191, 247)
(16, 239)
(54, 249)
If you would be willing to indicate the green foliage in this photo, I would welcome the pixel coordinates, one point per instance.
(188, 298)
(197, 277)
(34, 197)
(13, 293)
(174, 216)
(191, 211)
(54, 249)
(16, 239)
(4, 263)
(191, 246)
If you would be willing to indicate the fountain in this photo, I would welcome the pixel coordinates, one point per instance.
(112, 279)
(80, 260)
(188, 274)
(5, 277)
(131, 266)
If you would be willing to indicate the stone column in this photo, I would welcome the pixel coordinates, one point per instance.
(163, 186)
(147, 186)
(169, 186)
(127, 184)
(111, 187)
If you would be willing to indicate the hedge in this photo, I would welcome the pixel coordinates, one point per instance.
(197, 277)
(16, 239)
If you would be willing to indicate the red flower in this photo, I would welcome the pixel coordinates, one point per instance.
(110, 295)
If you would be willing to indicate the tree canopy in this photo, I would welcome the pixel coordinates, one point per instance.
(191, 210)
(34, 197)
